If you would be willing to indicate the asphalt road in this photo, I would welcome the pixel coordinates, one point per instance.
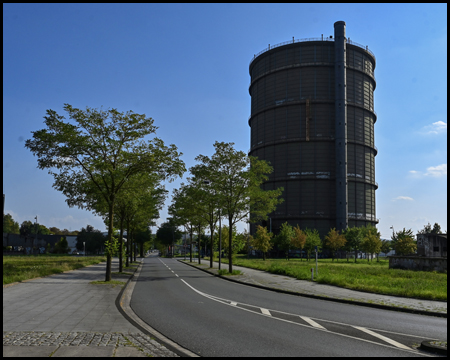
(213, 317)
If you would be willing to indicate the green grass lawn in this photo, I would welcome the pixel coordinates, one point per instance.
(24, 267)
(374, 277)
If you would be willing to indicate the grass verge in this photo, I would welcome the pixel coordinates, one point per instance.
(25, 267)
(374, 277)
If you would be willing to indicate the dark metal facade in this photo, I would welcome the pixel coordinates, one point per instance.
(312, 117)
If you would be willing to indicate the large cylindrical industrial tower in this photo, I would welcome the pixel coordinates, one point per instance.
(312, 117)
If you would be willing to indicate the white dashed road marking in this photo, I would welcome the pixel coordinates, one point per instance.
(384, 338)
(312, 322)
(266, 312)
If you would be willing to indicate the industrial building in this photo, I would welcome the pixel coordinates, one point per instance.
(312, 117)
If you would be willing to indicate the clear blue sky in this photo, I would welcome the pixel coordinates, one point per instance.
(186, 66)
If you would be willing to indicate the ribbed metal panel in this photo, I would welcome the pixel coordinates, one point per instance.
(293, 126)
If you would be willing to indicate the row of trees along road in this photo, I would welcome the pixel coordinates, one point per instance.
(102, 160)
(289, 238)
(227, 185)
(366, 239)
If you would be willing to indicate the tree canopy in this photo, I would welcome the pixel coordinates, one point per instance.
(94, 155)
(428, 229)
(9, 225)
(262, 240)
(334, 241)
(283, 239)
(403, 242)
(354, 237)
(29, 228)
(238, 179)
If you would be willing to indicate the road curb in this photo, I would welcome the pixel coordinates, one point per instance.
(123, 301)
(427, 346)
(344, 301)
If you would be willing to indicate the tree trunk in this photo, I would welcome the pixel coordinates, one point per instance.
(190, 246)
(134, 247)
(121, 245)
(110, 233)
(212, 252)
(128, 244)
(198, 245)
(230, 239)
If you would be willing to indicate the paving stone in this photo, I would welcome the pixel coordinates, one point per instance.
(83, 351)
(28, 351)
(83, 344)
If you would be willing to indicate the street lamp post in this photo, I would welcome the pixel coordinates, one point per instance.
(84, 247)
(392, 227)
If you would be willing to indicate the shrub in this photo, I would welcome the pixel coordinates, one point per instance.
(61, 247)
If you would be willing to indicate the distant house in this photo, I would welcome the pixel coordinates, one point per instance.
(432, 245)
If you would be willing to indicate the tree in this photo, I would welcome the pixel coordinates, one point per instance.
(298, 240)
(168, 234)
(262, 240)
(283, 239)
(137, 205)
(385, 246)
(55, 231)
(354, 237)
(407, 243)
(142, 237)
(427, 229)
(209, 207)
(371, 243)
(9, 225)
(237, 179)
(237, 244)
(94, 157)
(184, 210)
(61, 247)
(403, 242)
(312, 240)
(29, 228)
(93, 240)
(334, 241)
(405, 246)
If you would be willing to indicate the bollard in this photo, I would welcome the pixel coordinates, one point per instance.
(312, 274)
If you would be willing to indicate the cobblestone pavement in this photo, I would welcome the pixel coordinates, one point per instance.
(139, 341)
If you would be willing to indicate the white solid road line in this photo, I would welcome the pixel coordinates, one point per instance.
(390, 341)
(312, 322)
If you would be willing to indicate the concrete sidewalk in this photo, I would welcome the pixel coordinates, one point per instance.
(65, 315)
(287, 284)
